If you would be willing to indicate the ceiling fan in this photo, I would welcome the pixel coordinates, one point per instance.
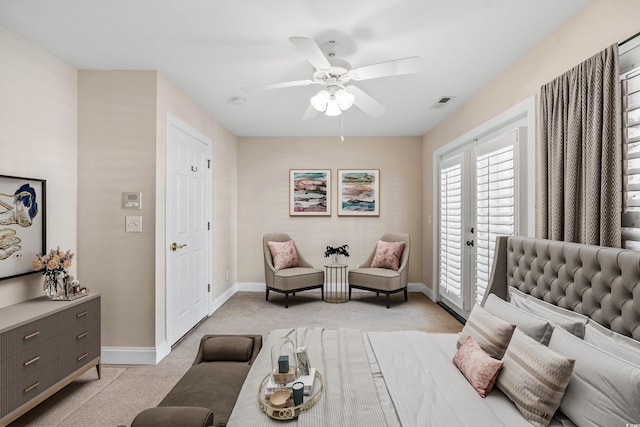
(338, 92)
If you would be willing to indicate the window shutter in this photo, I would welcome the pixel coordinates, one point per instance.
(451, 233)
(495, 203)
(631, 167)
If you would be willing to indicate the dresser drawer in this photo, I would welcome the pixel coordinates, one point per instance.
(28, 336)
(31, 360)
(79, 316)
(27, 387)
(78, 357)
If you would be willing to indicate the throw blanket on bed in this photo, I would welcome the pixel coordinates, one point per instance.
(349, 397)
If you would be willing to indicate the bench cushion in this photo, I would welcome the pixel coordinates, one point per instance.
(230, 348)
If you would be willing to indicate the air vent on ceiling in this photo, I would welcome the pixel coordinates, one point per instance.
(444, 100)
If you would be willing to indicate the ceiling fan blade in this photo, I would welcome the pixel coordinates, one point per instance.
(365, 102)
(311, 113)
(311, 51)
(278, 85)
(395, 67)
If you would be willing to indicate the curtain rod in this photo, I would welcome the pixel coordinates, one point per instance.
(629, 39)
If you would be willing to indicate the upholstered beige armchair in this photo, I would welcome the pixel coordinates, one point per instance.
(378, 273)
(287, 279)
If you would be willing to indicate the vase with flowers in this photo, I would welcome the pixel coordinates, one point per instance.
(336, 253)
(54, 265)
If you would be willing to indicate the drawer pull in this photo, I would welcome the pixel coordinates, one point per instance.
(31, 335)
(81, 314)
(82, 335)
(31, 387)
(34, 360)
(82, 357)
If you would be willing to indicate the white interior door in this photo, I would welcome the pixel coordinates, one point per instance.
(188, 222)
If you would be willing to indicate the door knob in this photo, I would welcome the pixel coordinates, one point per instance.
(175, 246)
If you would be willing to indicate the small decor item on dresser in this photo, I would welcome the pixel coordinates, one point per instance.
(336, 253)
(58, 284)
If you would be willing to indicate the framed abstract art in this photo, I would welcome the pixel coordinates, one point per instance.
(309, 192)
(359, 192)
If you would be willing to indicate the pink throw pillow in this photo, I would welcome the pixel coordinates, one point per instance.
(480, 369)
(284, 254)
(388, 255)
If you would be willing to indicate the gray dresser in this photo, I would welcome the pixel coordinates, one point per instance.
(44, 345)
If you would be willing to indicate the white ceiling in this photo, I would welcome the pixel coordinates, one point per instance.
(212, 48)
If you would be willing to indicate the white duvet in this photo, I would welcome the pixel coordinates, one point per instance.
(371, 379)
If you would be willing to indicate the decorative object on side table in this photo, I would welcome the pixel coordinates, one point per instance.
(335, 253)
(58, 283)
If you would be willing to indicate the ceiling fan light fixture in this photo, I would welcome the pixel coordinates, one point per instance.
(345, 99)
(319, 100)
(333, 108)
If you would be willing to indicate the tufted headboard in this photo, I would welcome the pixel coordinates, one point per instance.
(600, 282)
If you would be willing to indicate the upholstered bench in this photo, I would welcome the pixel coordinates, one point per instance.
(208, 391)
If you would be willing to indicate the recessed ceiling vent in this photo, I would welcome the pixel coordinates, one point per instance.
(444, 100)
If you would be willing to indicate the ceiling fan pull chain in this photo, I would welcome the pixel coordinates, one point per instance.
(342, 127)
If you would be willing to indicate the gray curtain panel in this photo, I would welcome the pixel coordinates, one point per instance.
(581, 150)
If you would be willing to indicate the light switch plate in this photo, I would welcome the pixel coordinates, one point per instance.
(132, 200)
(133, 224)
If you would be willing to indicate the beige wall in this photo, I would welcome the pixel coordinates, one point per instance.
(599, 25)
(38, 139)
(122, 128)
(263, 197)
(116, 153)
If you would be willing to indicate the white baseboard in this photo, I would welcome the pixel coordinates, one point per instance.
(153, 355)
(421, 287)
(218, 302)
(131, 355)
(251, 287)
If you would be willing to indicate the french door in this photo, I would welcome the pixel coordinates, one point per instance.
(480, 186)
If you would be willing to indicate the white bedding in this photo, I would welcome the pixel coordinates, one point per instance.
(349, 397)
(402, 378)
(428, 390)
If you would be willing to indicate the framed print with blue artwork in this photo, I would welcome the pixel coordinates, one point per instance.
(22, 224)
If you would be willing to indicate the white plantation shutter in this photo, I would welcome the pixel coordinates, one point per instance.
(495, 202)
(631, 166)
(451, 235)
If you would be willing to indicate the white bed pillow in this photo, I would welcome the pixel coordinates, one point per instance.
(566, 319)
(624, 347)
(536, 327)
(491, 333)
(604, 390)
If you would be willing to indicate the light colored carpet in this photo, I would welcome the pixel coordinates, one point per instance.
(124, 391)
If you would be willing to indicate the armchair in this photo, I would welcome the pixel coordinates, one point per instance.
(292, 279)
(383, 280)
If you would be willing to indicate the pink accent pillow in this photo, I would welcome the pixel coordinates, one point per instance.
(284, 254)
(480, 369)
(388, 255)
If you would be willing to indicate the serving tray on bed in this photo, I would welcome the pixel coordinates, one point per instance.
(289, 411)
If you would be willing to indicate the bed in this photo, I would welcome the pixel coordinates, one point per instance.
(574, 307)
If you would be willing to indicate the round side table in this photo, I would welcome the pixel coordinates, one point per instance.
(335, 283)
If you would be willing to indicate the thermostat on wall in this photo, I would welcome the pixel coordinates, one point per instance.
(132, 200)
